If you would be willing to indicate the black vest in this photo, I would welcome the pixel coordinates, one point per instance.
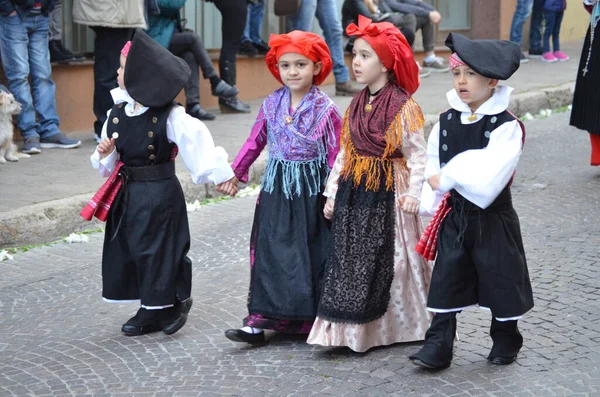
(456, 137)
(142, 139)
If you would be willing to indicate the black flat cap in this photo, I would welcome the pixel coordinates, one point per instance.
(496, 59)
(153, 76)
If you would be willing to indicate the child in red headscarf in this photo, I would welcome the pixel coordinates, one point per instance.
(289, 239)
(375, 286)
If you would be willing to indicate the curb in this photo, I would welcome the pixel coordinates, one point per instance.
(55, 219)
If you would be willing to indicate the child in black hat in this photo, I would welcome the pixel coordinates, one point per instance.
(473, 152)
(147, 235)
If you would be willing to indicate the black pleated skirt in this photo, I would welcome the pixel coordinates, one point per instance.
(585, 114)
(288, 247)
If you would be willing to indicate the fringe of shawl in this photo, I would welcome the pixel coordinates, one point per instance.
(295, 174)
(373, 169)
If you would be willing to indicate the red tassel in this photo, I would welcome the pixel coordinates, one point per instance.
(427, 245)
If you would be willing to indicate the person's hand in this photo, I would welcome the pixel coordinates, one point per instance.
(12, 14)
(434, 181)
(410, 205)
(328, 210)
(229, 187)
(435, 17)
(106, 147)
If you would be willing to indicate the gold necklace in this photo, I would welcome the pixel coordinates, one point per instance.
(368, 106)
(473, 116)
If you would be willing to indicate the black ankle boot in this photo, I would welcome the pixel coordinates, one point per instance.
(436, 352)
(507, 342)
(199, 113)
(144, 322)
(224, 90)
(233, 105)
(174, 318)
(57, 54)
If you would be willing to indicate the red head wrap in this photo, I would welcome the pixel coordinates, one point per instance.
(392, 49)
(304, 43)
(125, 50)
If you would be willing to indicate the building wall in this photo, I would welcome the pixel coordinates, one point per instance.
(574, 25)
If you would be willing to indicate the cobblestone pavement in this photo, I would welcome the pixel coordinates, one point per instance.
(58, 338)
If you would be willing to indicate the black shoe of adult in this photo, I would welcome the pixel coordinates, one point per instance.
(262, 47)
(248, 49)
(199, 113)
(224, 90)
(75, 55)
(57, 54)
(237, 335)
(233, 105)
(174, 323)
(144, 322)
(502, 360)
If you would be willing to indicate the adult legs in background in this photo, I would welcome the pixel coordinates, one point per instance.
(234, 21)
(58, 52)
(108, 45)
(535, 33)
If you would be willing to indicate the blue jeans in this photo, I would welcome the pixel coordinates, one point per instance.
(535, 31)
(553, 21)
(24, 50)
(327, 14)
(522, 12)
(254, 21)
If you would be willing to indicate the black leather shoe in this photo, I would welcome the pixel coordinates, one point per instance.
(233, 105)
(199, 113)
(502, 360)
(176, 320)
(237, 335)
(144, 322)
(224, 90)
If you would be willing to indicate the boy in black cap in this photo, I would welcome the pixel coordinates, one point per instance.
(147, 235)
(473, 152)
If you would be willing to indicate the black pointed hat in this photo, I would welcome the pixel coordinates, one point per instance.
(153, 76)
(496, 59)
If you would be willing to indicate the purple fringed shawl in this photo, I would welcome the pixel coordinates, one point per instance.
(312, 139)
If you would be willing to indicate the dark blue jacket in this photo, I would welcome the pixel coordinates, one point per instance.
(555, 5)
(22, 7)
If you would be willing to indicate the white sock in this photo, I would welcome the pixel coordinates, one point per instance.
(430, 58)
(252, 330)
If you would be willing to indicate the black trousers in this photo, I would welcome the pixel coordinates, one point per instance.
(188, 46)
(232, 28)
(107, 51)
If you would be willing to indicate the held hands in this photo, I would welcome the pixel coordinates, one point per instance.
(435, 17)
(106, 147)
(409, 205)
(229, 187)
(434, 181)
(328, 210)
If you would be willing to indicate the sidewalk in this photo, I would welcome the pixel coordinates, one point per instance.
(40, 197)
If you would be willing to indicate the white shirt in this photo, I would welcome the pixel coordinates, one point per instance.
(205, 161)
(479, 175)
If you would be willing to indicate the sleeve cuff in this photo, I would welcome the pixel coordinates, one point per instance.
(446, 183)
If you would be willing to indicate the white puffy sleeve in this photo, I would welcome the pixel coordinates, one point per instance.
(479, 175)
(414, 151)
(205, 161)
(430, 199)
(106, 165)
(334, 175)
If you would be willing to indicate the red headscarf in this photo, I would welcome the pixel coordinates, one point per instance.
(392, 48)
(304, 43)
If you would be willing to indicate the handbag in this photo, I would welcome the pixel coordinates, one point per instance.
(286, 7)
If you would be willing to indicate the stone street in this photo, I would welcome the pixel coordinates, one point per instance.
(58, 338)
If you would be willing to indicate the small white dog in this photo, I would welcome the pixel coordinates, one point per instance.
(8, 107)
